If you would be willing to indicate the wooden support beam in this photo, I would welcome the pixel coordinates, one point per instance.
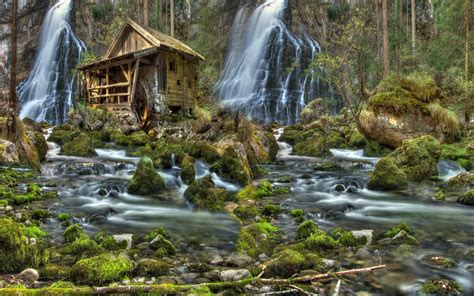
(121, 84)
(125, 73)
(134, 83)
(110, 95)
(107, 83)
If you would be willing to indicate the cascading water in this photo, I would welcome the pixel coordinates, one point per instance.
(265, 74)
(47, 93)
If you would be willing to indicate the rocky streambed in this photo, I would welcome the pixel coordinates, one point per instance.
(430, 240)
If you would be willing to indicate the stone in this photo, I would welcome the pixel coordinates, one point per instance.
(404, 238)
(328, 264)
(367, 233)
(190, 277)
(124, 237)
(8, 152)
(217, 260)
(29, 275)
(146, 179)
(212, 275)
(363, 253)
(239, 260)
(234, 275)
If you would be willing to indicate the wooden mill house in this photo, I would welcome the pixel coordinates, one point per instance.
(144, 71)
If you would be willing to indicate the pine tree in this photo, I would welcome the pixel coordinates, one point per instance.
(386, 58)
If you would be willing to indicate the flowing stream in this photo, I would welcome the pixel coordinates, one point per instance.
(47, 94)
(264, 74)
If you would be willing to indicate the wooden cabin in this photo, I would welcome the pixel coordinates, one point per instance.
(144, 71)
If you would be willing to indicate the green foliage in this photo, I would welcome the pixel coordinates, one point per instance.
(253, 192)
(64, 217)
(33, 232)
(101, 269)
(297, 213)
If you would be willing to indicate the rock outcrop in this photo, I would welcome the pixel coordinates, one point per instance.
(407, 107)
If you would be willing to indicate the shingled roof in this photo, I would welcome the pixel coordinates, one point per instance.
(155, 38)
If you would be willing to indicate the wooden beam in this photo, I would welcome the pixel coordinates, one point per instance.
(125, 74)
(134, 84)
(121, 84)
(107, 83)
(110, 95)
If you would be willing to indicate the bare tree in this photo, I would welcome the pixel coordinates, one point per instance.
(386, 59)
(12, 104)
(172, 17)
(145, 13)
(467, 61)
(413, 25)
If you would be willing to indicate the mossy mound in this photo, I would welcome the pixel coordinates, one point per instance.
(62, 134)
(188, 173)
(138, 138)
(441, 287)
(72, 233)
(319, 241)
(286, 264)
(306, 229)
(15, 253)
(151, 267)
(253, 192)
(204, 195)
(79, 146)
(231, 167)
(466, 198)
(459, 153)
(83, 244)
(405, 107)
(257, 238)
(347, 238)
(387, 176)
(397, 228)
(38, 140)
(101, 269)
(464, 179)
(146, 179)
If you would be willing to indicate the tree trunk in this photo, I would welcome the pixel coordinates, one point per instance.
(413, 26)
(386, 60)
(160, 14)
(467, 108)
(172, 18)
(13, 61)
(145, 13)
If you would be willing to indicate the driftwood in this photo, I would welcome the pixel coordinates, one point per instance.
(290, 283)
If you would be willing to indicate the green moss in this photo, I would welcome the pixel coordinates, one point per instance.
(150, 267)
(297, 213)
(55, 271)
(160, 242)
(357, 140)
(188, 173)
(397, 101)
(313, 146)
(138, 138)
(64, 217)
(3, 203)
(246, 211)
(286, 264)
(62, 285)
(63, 134)
(347, 239)
(320, 240)
(466, 198)
(327, 166)
(251, 241)
(110, 244)
(231, 167)
(83, 244)
(202, 290)
(15, 253)
(72, 233)
(438, 194)
(306, 229)
(397, 228)
(79, 146)
(253, 192)
(271, 210)
(155, 232)
(387, 176)
(40, 214)
(203, 194)
(441, 287)
(33, 232)
(439, 261)
(101, 269)
(146, 179)
(292, 136)
(40, 144)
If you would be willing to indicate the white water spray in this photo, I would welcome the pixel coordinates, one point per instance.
(265, 75)
(47, 94)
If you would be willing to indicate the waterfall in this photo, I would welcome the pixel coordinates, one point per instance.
(47, 94)
(265, 74)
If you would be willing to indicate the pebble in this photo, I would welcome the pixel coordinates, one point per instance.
(190, 277)
(234, 275)
(217, 260)
(363, 253)
(328, 263)
(239, 260)
(29, 275)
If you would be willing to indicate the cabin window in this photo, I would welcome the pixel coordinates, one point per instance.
(172, 66)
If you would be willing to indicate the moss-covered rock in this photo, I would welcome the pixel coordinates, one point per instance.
(387, 176)
(204, 195)
(461, 180)
(306, 229)
(188, 173)
(397, 228)
(253, 192)
(347, 238)
(33, 232)
(101, 269)
(83, 244)
(15, 253)
(55, 272)
(271, 210)
(466, 198)
(246, 211)
(286, 264)
(441, 287)
(72, 233)
(38, 140)
(257, 238)
(150, 267)
(79, 146)
(160, 242)
(320, 240)
(146, 179)
(292, 135)
(231, 167)
(63, 134)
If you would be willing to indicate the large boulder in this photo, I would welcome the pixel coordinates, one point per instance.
(407, 107)
(204, 195)
(415, 160)
(79, 146)
(146, 179)
(313, 111)
(101, 269)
